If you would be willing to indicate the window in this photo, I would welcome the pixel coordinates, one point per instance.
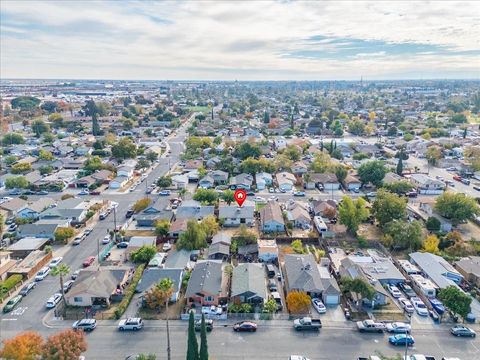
(77, 299)
(209, 298)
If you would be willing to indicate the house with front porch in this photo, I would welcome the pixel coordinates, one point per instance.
(248, 284)
(234, 215)
(207, 284)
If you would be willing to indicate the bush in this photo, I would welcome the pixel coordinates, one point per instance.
(122, 307)
(63, 234)
(9, 284)
(141, 204)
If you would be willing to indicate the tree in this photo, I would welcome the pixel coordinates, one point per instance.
(61, 270)
(433, 224)
(164, 182)
(399, 169)
(144, 254)
(456, 300)
(39, 127)
(356, 127)
(430, 244)
(270, 306)
(162, 228)
(45, 155)
(210, 225)
(124, 149)
(203, 340)
(341, 173)
(193, 238)
(63, 234)
(65, 345)
(246, 150)
(358, 286)
(372, 172)
(399, 187)
(151, 156)
(388, 207)
(142, 164)
(21, 168)
(228, 196)
(13, 139)
(91, 109)
(207, 196)
(456, 206)
(146, 357)
(352, 213)
(322, 163)
(298, 302)
(141, 204)
(16, 182)
(192, 344)
(403, 235)
(459, 119)
(25, 346)
(434, 153)
(25, 103)
(49, 106)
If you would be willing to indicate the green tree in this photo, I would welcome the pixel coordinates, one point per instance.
(433, 224)
(356, 127)
(63, 234)
(352, 213)
(141, 204)
(341, 173)
(228, 196)
(39, 127)
(434, 153)
(203, 340)
(270, 306)
(142, 164)
(21, 168)
(192, 344)
(13, 139)
(124, 149)
(16, 182)
(399, 169)
(144, 254)
(372, 172)
(194, 238)
(456, 300)
(399, 187)
(246, 150)
(25, 103)
(459, 119)
(45, 155)
(358, 286)
(151, 156)
(61, 270)
(49, 106)
(207, 196)
(162, 228)
(403, 235)
(456, 206)
(164, 182)
(388, 207)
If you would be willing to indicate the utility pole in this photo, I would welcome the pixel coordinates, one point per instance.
(115, 221)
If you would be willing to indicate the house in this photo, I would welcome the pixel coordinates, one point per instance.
(118, 182)
(391, 177)
(178, 259)
(193, 165)
(331, 292)
(222, 238)
(469, 267)
(178, 227)
(33, 209)
(207, 285)
(153, 213)
(426, 185)
(218, 251)
(285, 181)
(323, 208)
(219, 177)
(328, 181)
(152, 276)
(267, 250)
(248, 284)
(26, 245)
(136, 242)
(37, 230)
(6, 263)
(102, 176)
(300, 217)
(302, 274)
(241, 181)
(31, 264)
(263, 180)
(180, 181)
(98, 287)
(192, 209)
(271, 218)
(206, 182)
(436, 269)
(299, 168)
(9, 208)
(126, 171)
(352, 183)
(233, 215)
(73, 209)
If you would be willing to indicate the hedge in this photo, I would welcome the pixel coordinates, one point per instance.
(9, 284)
(127, 298)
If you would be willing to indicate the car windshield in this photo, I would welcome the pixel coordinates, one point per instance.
(421, 306)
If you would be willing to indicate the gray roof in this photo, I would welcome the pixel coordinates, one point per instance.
(62, 213)
(177, 259)
(233, 211)
(152, 276)
(70, 203)
(302, 273)
(36, 229)
(206, 277)
(97, 283)
(470, 265)
(249, 277)
(435, 267)
(219, 248)
(222, 237)
(271, 212)
(193, 209)
(28, 243)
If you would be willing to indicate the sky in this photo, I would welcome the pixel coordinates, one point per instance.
(241, 40)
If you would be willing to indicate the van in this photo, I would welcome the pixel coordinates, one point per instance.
(278, 299)
(271, 271)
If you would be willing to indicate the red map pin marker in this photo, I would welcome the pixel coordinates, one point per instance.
(240, 196)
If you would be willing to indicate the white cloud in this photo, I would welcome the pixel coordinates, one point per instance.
(237, 40)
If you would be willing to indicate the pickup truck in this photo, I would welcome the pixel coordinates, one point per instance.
(307, 323)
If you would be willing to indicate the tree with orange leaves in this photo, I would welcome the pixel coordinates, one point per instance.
(298, 302)
(65, 345)
(25, 346)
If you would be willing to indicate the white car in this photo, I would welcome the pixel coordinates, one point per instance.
(167, 246)
(130, 324)
(297, 357)
(318, 305)
(212, 310)
(394, 291)
(106, 239)
(54, 300)
(259, 200)
(84, 192)
(398, 328)
(55, 262)
(42, 274)
(419, 306)
(406, 305)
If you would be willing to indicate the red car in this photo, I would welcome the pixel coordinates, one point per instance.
(88, 261)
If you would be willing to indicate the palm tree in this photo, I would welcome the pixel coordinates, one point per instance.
(166, 286)
(61, 270)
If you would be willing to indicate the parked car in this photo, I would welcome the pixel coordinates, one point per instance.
(166, 246)
(129, 213)
(394, 291)
(84, 192)
(462, 331)
(103, 216)
(465, 181)
(370, 326)
(259, 200)
(130, 324)
(406, 305)
(297, 357)
(299, 193)
(307, 324)
(208, 325)
(437, 305)
(12, 228)
(88, 231)
(122, 245)
(10, 305)
(88, 261)
(106, 239)
(419, 306)
(75, 274)
(398, 328)
(27, 288)
(67, 285)
(164, 193)
(78, 239)
(318, 305)
(407, 289)
(401, 339)
(42, 274)
(85, 324)
(249, 326)
(53, 300)
(55, 262)
(212, 310)
(272, 285)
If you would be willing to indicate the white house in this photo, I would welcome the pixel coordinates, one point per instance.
(427, 185)
(263, 180)
(285, 181)
(118, 182)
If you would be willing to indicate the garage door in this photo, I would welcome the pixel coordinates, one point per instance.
(332, 300)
